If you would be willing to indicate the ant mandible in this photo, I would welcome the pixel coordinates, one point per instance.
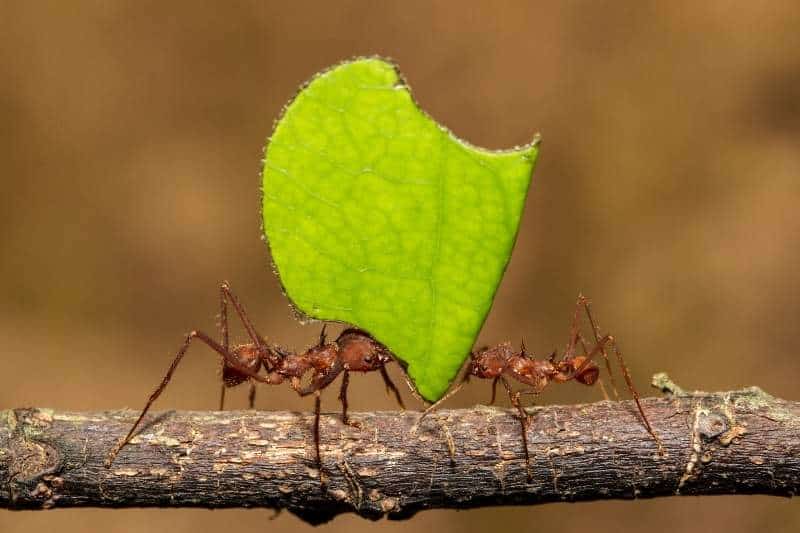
(500, 364)
(353, 351)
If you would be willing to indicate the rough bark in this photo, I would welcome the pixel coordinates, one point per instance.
(715, 443)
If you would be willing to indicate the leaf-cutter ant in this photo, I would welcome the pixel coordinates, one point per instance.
(501, 364)
(353, 350)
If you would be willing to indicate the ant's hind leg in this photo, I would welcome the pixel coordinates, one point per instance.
(229, 359)
(600, 347)
(226, 295)
(224, 338)
(584, 302)
(626, 374)
(574, 330)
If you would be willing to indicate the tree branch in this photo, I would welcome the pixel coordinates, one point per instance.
(716, 443)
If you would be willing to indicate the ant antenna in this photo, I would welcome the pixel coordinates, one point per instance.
(322, 335)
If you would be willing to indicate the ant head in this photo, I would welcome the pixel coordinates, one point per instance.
(375, 359)
(490, 362)
(578, 369)
(360, 352)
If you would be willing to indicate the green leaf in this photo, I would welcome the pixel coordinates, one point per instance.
(379, 217)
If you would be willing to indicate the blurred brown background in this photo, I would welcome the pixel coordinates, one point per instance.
(130, 140)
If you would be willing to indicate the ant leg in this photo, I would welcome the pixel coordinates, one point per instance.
(230, 360)
(574, 331)
(586, 304)
(524, 420)
(608, 339)
(226, 295)
(603, 390)
(626, 374)
(223, 331)
(494, 390)
(444, 398)
(390, 386)
(222, 395)
(318, 458)
(514, 398)
(343, 399)
(319, 381)
(251, 396)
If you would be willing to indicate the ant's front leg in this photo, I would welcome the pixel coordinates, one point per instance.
(251, 396)
(318, 382)
(443, 399)
(318, 453)
(494, 390)
(390, 387)
(343, 399)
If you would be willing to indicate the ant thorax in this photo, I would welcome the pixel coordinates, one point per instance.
(536, 373)
(318, 358)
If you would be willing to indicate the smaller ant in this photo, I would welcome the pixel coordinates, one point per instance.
(500, 364)
(353, 350)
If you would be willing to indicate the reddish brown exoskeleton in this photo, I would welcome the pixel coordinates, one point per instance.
(353, 351)
(502, 364)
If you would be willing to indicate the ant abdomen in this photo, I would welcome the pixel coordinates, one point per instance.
(247, 356)
(587, 373)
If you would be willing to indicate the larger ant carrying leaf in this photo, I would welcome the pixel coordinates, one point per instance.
(501, 364)
(353, 351)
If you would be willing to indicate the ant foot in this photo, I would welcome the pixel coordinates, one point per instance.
(527, 421)
(352, 423)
